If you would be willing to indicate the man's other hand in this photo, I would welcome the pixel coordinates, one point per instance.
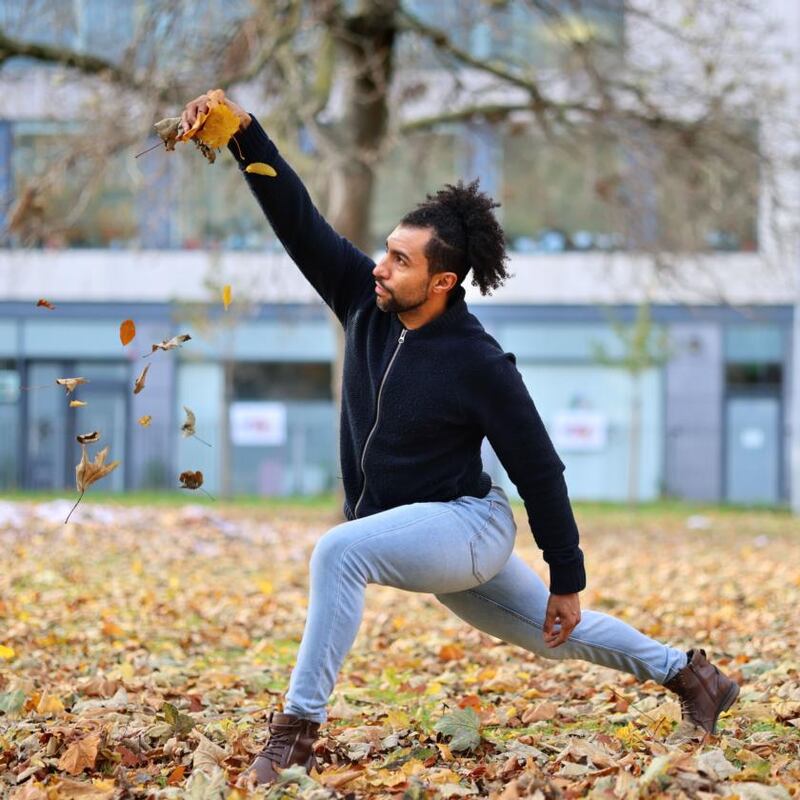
(200, 104)
(564, 611)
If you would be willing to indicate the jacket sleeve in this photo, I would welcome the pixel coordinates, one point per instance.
(339, 272)
(504, 409)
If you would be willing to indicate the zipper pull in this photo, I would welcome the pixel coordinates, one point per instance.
(403, 336)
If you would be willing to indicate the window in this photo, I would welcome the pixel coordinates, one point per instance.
(282, 381)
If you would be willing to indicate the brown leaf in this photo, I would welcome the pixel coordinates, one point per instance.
(176, 776)
(139, 382)
(191, 480)
(45, 304)
(80, 755)
(539, 712)
(169, 344)
(168, 130)
(127, 331)
(88, 438)
(188, 427)
(70, 384)
(451, 652)
(89, 472)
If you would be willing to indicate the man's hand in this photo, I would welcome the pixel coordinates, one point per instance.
(200, 104)
(563, 610)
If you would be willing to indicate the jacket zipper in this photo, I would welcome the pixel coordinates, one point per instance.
(377, 417)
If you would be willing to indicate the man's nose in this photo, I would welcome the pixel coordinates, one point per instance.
(379, 270)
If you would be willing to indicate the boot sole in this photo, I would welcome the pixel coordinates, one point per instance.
(730, 699)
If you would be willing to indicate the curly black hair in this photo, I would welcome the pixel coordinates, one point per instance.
(466, 234)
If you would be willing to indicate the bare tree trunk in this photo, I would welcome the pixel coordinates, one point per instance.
(365, 41)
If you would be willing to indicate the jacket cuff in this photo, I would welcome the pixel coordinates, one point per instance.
(568, 578)
(252, 144)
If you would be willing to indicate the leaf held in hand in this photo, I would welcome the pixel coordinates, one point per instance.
(191, 480)
(127, 331)
(145, 421)
(226, 295)
(77, 403)
(45, 304)
(464, 727)
(260, 168)
(214, 127)
(168, 130)
(88, 438)
(169, 344)
(70, 384)
(139, 382)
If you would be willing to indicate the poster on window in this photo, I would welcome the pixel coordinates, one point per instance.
(258, 424)
(580, 431)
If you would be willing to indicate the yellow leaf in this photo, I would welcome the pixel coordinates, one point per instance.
(127, 331)
(216, 126)
(265, 587)
(226, 295)
(49, 704)
(80, 755)
(77, 403)
(112, 629)
(6, 652)
(260, 168)
(145, 421)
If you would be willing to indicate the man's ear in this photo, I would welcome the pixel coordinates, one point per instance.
(445, 281)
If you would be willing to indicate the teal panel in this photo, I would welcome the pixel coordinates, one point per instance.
(273, 340)
(602, 474)
(557, 341)
(8, 339)
(201, 388)
(71, 339)
(753, 343)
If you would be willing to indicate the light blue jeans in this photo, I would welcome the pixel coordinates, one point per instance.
(461, 552)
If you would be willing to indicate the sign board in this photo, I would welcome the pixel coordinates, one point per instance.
(258, 424)
(580, 431)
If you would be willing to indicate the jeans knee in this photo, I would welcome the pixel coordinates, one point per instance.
(330, 548)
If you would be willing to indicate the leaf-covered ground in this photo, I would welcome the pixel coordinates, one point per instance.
(141, 649)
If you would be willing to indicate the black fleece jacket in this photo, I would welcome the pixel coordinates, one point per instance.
(416, 404)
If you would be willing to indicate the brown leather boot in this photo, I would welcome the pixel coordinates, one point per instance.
(704, 691)
(290, 742)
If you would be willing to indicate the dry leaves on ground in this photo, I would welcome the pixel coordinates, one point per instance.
(148, 668)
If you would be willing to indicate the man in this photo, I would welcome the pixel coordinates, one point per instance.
(423, 385)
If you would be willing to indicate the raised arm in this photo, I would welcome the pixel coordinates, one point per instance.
(339, 271)
(500, 402)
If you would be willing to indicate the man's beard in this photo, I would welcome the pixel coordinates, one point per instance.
(391, 305)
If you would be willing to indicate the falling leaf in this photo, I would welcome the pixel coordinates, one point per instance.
(45, 304)
(145, 421)
(259, 168)
(127, 331)
(88, 438)
(80, 755)
(188, 427)
(169, 344)
(89, 472)
(191, 480)
(463, 726)
(70, 384)
(226, 295)
(77, 403)
(139, 382)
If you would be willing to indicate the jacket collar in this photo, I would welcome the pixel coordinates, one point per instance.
(456, 310)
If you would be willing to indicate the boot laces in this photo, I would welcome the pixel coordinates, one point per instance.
(279, 740)
(687, 706)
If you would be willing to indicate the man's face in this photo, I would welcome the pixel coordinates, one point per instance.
(402, 280)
